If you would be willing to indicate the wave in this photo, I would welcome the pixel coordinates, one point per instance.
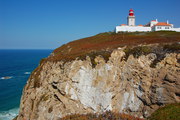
(9, 115)
(6, 77)
(27, 73)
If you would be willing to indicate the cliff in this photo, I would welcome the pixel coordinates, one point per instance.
(135, 80)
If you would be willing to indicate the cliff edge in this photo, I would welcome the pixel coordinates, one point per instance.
(118, 75)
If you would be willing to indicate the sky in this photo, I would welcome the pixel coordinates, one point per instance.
(48, 24)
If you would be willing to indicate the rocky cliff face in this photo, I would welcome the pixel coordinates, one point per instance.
(57, 89)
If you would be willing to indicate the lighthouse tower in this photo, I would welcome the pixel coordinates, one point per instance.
(131, 18)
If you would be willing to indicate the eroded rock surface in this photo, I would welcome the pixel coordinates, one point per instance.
(57, 89)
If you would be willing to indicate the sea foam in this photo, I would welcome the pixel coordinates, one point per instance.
(9, 115)
(6, 77)
(27, 73)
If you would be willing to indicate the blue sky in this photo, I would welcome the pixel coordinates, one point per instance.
(47, 24)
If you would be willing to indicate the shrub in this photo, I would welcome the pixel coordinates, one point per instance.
(42, 60)
(137, 51)
(94, 54)
(172, 47)
(36, 80)
(104, 116)
(168, 112)
(159, 58)
(110, 41)
(167, 48)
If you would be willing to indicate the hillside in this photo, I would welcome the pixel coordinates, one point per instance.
(125, 75)
(104, 43)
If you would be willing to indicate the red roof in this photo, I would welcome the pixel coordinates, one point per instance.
(162, 24)
(140, 25)
(123, 24)
(153, 20)
(131, 10)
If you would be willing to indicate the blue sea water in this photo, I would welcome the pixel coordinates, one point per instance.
(17, 65)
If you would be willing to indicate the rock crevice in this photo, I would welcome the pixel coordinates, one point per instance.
(57, 89)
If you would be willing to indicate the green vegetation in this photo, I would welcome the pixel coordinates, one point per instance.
(92, 55)
(137, 51)
(105, 116)
(159, 58)
(109, 41)
(107, 33)
(36, 75)
(42, 60)
(173, 47)
(45, 97)
(169, 112)
(36, 78)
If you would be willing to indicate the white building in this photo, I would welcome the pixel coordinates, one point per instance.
(153, 25)
(162, 26)
(126, 28)
(131, 18)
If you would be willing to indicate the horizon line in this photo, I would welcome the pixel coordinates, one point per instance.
(26, 49)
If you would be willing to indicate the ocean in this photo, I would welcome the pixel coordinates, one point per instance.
(15, 69)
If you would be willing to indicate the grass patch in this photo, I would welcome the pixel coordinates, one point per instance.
(107, 33)
(169, 112)
(109, 41)
(104, 116)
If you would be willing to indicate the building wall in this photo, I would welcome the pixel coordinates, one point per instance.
(175, 29)
(131, 20)
(164, 28)
(152, 23)
(132, 29)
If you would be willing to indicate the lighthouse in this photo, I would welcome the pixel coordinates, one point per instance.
(153, 25)
(131, 18)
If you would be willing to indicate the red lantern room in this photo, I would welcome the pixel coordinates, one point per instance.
(131, 12)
